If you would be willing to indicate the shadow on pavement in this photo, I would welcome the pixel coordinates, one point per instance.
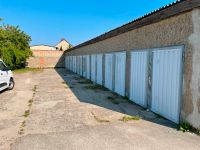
(77, 85)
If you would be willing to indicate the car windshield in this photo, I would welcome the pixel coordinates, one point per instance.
(2, 66)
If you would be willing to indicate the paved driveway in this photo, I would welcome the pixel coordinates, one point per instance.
(57, 110)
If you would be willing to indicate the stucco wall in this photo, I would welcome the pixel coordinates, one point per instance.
(182, 29)
(192, 112)
(172, 31)
(46, 59)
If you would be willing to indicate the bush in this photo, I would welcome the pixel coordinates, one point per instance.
(14, 46)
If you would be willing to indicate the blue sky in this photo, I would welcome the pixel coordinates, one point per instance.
(47, 21)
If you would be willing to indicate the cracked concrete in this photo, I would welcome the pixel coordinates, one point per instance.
(62, 117)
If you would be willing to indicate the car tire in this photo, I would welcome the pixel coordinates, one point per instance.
(11, 84)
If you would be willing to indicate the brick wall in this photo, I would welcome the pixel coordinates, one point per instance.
(46, 59)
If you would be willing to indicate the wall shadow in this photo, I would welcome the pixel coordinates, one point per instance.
(61, 61)
(124, 106)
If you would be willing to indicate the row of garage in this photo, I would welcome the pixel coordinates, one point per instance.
(151, 78)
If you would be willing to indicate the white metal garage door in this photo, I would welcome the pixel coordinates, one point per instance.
(88, 66)
(99, 68)
(138, 77)
(71, 63)
(76, 68)
(84, 66)
(77, 65)
(81, 65)
(120, 64)
(74, 63)
(93, 68)
(109, 71)
(66, 60)
(167, 82)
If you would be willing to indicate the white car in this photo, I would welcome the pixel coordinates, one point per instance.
(6, 77)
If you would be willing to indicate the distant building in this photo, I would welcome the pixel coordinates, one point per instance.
(62, 46)
(42, 47)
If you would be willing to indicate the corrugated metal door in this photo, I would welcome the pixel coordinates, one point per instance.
(167, 82)
(109, 71)
(93, 68)
(138, 77)
(74, 63)
(78, 66)
(81, 65)
(66, 64)
(99, 73)
(71, 63)
(120, 64)
(88, 66)
(77, 61)
(84, 66)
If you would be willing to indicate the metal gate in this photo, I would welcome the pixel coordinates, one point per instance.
(109, 71)
(93, 68)
(120, 64)
(138, 77)
(99, 66)
(167, 82)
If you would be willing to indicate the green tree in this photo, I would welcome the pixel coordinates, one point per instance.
(14, 46)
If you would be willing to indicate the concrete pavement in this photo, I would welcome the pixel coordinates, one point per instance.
(65, 112)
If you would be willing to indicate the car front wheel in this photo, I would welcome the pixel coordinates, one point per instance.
(11, 84)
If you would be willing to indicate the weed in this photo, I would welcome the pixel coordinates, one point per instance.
(20, 132)
(95, 87)
(85, 82)
(129, 118)
(129, 101)
(99, 119)
(187, 127)
(23, 124)
(113, 100)
(25, 70)
(26, 113)
(63, 82)
(34, 88)
(126, 97)
(30, 101)
(76, 78)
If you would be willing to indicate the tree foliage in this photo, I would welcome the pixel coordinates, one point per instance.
(14, 46)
